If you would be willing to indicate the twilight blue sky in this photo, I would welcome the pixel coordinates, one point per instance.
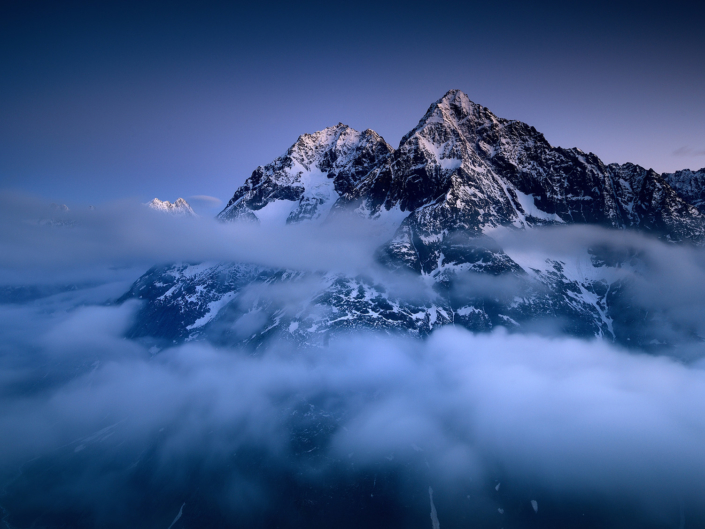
(100, 101)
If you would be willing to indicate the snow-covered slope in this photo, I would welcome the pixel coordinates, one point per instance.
(179, 207)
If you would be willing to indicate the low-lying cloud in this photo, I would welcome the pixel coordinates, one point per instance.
(91, 419)
(39, 244)
(99, 430)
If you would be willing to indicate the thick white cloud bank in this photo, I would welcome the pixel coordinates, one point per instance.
(98, 430)
(556, 420)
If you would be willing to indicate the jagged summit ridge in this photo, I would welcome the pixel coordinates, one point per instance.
(474, 169)
(179, 207)
(453, 109)
(464, 171)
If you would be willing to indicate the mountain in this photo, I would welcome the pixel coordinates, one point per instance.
(689, 185)
(462, 171)
(179, 207)
(306, 181)
(457, 180)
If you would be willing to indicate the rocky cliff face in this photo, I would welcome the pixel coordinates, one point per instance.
(459, 178)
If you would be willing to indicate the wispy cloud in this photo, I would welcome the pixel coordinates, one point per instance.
(688, 151)
(206, 200)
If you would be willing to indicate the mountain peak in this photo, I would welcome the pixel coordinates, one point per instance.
(451, 110)
(310, 147)
(464, 168)
(456, 98)
(305, 182)
(179, 207)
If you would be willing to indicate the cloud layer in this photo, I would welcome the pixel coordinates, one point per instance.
(100, 430)
(95, 421)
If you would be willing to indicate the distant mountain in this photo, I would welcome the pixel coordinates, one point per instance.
(179, 207)
(57, 216)
(59, 207)
(458, 178)
(689, 185)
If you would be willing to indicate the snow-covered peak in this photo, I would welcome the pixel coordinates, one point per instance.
(332, 150)
(179, 207)
(463, 168)
(451, 111)
(455, 107)
(455, 123)
(305, 182)
(309, 148)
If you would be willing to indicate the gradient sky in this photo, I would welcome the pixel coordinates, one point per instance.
(102, 101)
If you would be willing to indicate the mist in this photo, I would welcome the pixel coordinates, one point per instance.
(100, 430)
(38, 239)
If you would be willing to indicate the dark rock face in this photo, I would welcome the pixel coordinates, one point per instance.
(459, 175)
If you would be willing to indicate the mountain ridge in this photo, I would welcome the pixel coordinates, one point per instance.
(507, 161)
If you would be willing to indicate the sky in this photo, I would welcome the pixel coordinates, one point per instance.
(107, 101)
